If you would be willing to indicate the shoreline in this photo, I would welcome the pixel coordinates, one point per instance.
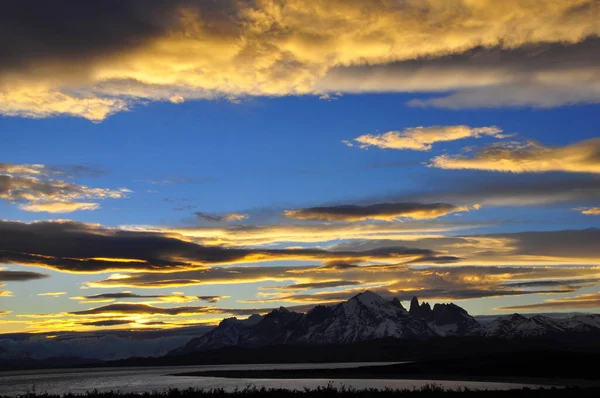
(366, 373)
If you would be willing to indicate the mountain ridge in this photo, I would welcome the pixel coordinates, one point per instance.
(368, 316)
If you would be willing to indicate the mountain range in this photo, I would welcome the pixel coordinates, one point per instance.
(368, 316)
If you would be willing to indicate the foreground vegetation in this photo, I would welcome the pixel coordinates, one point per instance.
(331, 391)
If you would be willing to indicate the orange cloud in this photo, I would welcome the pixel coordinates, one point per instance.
(379, 211)
(530, 157)
(178, 50)
(591, 300)
(59, 207)
(592, 211)
(422, 138)
(52, 294)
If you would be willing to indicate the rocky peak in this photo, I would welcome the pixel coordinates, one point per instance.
(414, 305)
(422, 311)
(396, 303)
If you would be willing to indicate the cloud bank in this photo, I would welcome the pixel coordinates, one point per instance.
(134, 51)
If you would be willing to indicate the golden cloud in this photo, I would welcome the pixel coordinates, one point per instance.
(591, 300)
(59, 207)
(33, 185)
(379, 211)
(252, 235)
(186, 50)
(530, 157)
(422, 138)
(592, 211)
(52, 294)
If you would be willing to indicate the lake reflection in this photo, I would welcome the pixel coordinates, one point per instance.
(148, 379)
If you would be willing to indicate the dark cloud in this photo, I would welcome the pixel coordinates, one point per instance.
(108, 322)
(14, 276)
(76, 247)
(210, 299)
(581, 243)
(379, 211)
(130, 295)
(91, 59)
(568, 282)
(119, 309)
(127, 309)
(484, 76)
(315, 285)
(591, 300)
(69, 30)
(208, 217)
(514, 190)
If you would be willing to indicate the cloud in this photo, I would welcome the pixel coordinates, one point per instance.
(99, 249)
(529, 157)
(52, 294)
(108, 322)
(422, 138)
(449, 282)
(592, 211)
(572, 247)
(248, 235)
(60, 207)
(515, 190)
(19, 276)
(227, 217)
(12, 168)
(379, 211)
(174, 298)
(33, 186)
(402, 295)
(315, 285)
(145, 309)
(535, 74)
(591, 300)
(138, 51)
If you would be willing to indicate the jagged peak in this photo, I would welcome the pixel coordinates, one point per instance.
(514, 317)
(228, 321)
(396, 303)
(367, 293)
(368, 297)
(414, 303)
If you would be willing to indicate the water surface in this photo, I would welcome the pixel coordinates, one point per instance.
(148, 379)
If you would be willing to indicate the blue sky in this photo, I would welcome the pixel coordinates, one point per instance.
(185, 143)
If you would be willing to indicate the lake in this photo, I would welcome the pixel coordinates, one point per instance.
(148, 379)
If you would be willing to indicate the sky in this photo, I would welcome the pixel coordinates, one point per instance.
(166, 164)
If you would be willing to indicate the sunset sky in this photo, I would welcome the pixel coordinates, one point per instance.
(168, 163)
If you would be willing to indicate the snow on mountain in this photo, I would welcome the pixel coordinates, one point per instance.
(228, 333)
(519, 326)
(444, 319)
(366, 316)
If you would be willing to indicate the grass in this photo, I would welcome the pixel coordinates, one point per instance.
(430, 390)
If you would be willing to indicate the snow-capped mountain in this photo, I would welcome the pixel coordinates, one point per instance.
(519, 326)
(366, 316)
(444, 319)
